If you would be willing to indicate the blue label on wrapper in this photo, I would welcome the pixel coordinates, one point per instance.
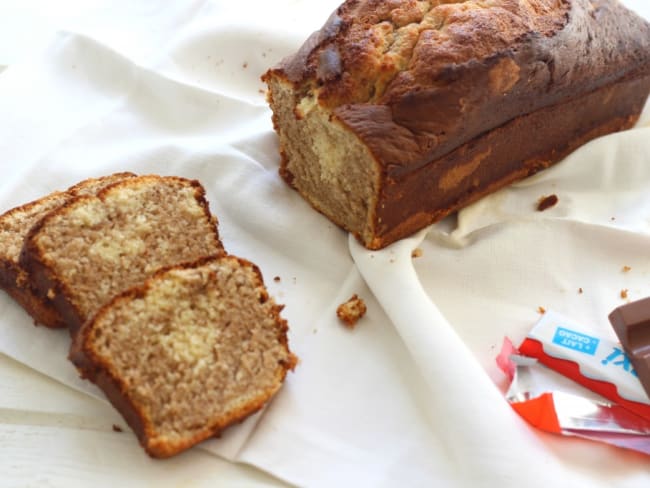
(598, 358)
(576, 341)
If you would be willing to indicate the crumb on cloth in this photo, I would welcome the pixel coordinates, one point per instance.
(351, 311)
(547, 202)
(417, 253)
(541, 310)
(624, 294)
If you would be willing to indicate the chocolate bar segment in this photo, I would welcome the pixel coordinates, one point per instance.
(631, 323)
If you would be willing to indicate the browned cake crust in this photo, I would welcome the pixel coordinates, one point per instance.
(438, 103)
(86, 251)
(13, 278)
(14, 227)
(140, 398)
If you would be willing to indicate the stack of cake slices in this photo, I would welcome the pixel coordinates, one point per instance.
(182, 337)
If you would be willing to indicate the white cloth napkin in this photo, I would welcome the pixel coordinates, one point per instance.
(412, 395)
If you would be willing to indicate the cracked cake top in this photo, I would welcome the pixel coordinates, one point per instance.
(375, 50)
(414, 79)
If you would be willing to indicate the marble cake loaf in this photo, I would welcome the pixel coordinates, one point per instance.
(398, 112)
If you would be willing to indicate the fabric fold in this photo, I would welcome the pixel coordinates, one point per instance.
(460, 396)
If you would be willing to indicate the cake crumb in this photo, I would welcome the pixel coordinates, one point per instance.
(351, 311)
(626, 269)
(276, 279)
(117, 428)
(541, 310)
(417, 253)
(245, 65)
(547, 202)
(624, 293)
(580, 290)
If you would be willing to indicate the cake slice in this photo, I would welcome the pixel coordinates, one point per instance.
(399, 112)
(14, 227)
(193, 350)
(94, 247)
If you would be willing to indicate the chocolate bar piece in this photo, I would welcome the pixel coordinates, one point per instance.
(631, 323)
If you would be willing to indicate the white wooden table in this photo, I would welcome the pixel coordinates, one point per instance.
(49, 431)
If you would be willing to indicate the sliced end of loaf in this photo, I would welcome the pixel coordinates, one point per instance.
(324, 161)
(195, 349)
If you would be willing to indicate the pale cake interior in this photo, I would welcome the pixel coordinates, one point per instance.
(14, 228)
(196, 350)
(326, 163)
(16, 223)
(101, 247)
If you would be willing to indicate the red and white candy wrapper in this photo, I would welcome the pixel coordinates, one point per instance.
(610, 407)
